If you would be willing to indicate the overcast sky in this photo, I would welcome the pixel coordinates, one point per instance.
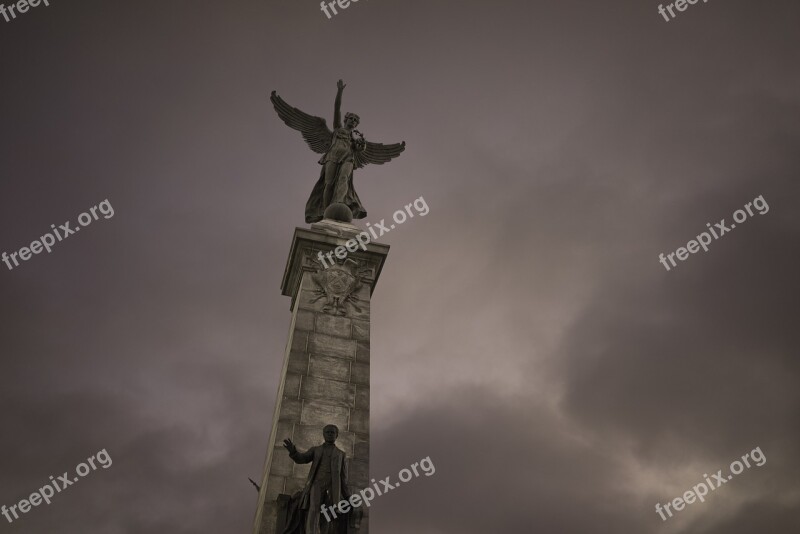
(524, 334)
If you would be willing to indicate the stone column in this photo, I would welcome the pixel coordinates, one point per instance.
(325, 375)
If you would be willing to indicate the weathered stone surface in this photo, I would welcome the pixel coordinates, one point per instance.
(358, 473)
(283, 430)
(360, 311)
(329, 391)
(308, 436)
(364, 294)
(360, 330)
(359, 373)
(293, 485)
(305, 321)
(345, 441)
(290, 410)
(318, 414)
(361, 449)
(299, 340)
(298, 362)
(282, 465)
(362, 397)
(329, 367)
(359, 421)
(270, 515)
(301, 470)
(291, 387)
(307, 284)
(325, 345)
(362, 351)
(309, 300)
(333, 325)
(274, 486)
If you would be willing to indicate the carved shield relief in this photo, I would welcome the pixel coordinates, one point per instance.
(337, 285)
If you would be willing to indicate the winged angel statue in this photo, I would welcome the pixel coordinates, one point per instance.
(343, 150)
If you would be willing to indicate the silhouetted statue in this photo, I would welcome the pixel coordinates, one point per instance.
(343, 149)
(326, 486)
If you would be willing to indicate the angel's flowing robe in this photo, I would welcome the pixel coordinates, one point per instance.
(339, 155)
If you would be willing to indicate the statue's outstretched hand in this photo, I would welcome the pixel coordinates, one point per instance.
(340, 85)
(289, 446)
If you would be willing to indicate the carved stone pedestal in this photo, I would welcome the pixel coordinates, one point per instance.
(325, 375)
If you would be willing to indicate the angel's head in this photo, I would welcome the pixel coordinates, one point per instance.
(351, 120)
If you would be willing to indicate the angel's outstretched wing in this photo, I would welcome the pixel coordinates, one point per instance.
(377, 153)
(313, 129)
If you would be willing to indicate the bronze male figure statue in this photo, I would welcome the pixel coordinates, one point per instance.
(326, 484)
(343, 150)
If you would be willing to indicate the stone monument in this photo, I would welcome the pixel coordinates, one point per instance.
(325, 378)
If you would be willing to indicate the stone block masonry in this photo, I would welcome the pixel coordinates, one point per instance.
(326, 371)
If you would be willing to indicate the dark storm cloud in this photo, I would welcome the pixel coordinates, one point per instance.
(497, 470)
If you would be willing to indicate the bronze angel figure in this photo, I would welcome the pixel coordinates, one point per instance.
(343, 150)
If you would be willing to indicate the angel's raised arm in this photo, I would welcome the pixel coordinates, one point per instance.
(337, 106)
